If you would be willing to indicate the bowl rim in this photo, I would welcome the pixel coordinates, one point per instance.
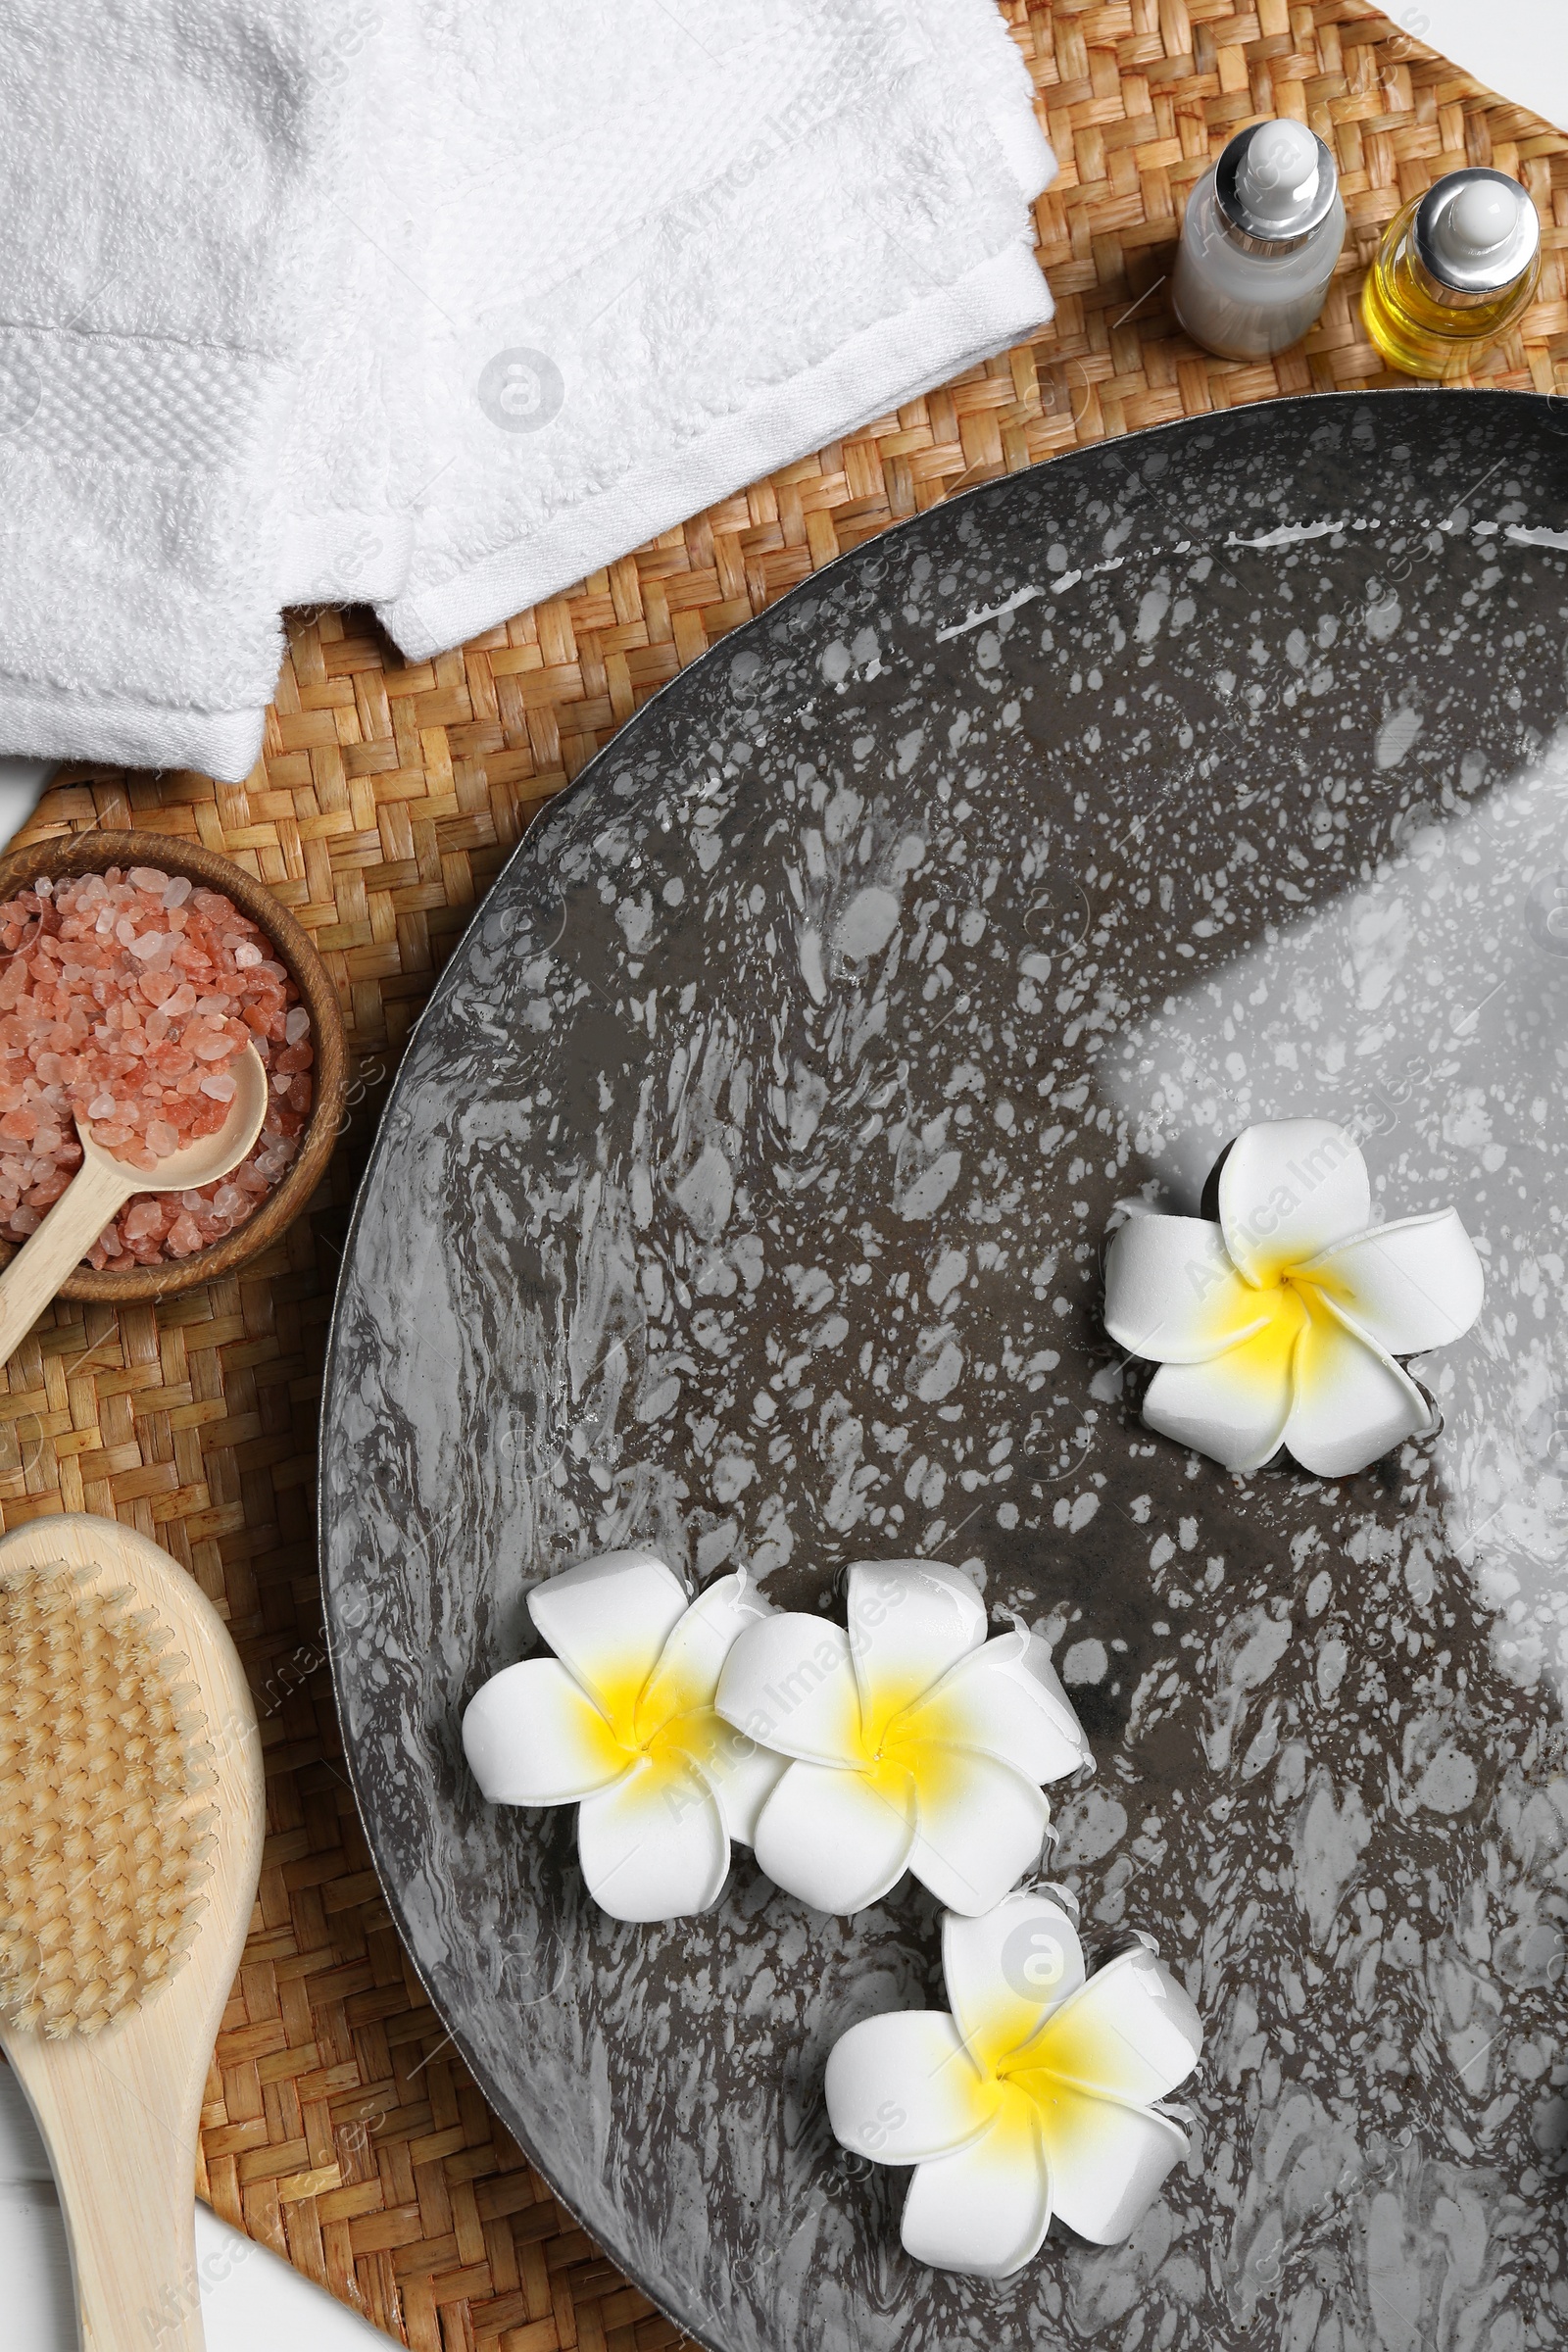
(66, 854)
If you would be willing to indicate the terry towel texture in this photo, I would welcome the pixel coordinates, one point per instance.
(163, 170)
(441, 304)
(815, 220)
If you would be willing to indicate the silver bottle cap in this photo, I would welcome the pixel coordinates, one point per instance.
(1476, 232)
(1275, 184)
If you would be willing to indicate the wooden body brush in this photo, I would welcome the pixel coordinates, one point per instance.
(131, 1815)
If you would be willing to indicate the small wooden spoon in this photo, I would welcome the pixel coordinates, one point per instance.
(101, 1186)
(118, 2110)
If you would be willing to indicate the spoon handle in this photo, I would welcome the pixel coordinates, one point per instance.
(70, 1230)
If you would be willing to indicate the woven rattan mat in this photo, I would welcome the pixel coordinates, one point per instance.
(339, 2126)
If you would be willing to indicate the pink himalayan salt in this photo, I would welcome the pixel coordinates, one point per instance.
(125, 999)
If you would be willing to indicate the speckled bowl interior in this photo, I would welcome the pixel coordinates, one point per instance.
(744, 1191)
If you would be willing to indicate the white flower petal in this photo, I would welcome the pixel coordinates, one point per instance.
(789, 1684)
(1130, 2032)
(1006, 1702)
(1007, 1970)
(1171, 1292)
(1352, 1403)
(910, 1621)
(745, 1791)
(985, 2210)
(692, 1658)
(901, 2086)
(834, 1839)
(1107, 2163)
(653, 1846)
(1233, 1407)
(608, 1619)
(741, 1775)
(980, 1824)
(1409, 1286)
(532, 1737)
(1290, 1189)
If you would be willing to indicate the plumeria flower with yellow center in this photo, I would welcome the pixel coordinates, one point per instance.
(1034, 2097)
(1279, 1325)
(915, 1743)
(620, 1723)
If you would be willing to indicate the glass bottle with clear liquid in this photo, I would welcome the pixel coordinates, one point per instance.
(1454, 271)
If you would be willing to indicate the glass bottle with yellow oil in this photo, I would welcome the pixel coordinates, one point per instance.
(1456, 269)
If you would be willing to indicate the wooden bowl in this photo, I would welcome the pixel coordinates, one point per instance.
(68, 855)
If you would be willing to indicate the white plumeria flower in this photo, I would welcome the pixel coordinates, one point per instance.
(916, 1744)
(620, 1722)
(1032, 2097)
(1279, 1325)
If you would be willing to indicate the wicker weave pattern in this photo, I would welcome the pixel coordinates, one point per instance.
(339, 2126)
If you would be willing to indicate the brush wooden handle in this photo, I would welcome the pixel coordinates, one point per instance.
(118, 2110)
(119, 2144)
(96, 1193)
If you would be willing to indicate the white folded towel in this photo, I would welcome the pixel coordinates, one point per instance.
(164, 170)
(690, 252)
(467, 299)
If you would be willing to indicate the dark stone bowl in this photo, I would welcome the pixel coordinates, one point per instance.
(744, 1191)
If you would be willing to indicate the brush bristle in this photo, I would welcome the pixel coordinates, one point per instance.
(104, 1837)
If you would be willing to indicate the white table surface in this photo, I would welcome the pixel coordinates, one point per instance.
(21, 782)
(1518, 47)
(251, 2302)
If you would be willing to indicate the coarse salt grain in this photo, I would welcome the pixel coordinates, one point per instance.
(125, 999)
